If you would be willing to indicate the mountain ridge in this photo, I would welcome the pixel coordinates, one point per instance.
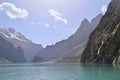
(104, 42)
(8, 53)
(80, 36)
(18, 39)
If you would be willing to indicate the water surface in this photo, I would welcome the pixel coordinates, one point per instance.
(59, 72)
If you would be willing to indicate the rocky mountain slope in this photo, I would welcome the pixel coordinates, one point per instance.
(104, 42)
(8, 53)
(72, 56)
(17, 39)
(70, 46)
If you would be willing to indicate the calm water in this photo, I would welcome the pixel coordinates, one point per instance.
(59, 72)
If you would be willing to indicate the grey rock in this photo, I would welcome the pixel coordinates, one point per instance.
(104, 42)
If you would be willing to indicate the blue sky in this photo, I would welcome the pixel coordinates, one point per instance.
(48, 21)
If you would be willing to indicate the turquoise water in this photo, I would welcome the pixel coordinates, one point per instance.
(59, 72)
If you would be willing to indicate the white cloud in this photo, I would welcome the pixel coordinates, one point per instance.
(12, 11)
(47, 25)
(54, 12)
(104, 8)
(57, 16)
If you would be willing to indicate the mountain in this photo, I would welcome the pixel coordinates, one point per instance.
(8, 53)
(104, 42)
(66, 47)
(17, 39)
(72, 56)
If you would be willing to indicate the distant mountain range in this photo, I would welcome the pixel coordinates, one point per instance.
(18, 40)
(10, 54)
(97, 41)
(65, 50)
(68, 50)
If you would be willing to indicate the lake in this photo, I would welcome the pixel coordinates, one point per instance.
(59, 72)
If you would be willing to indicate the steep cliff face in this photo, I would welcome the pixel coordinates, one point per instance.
(104, 42)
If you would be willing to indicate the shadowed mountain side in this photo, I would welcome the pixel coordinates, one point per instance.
(17, 39)
(9, 53)
(104, 42)
(72, 56)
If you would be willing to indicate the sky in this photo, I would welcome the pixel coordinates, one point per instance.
(48, 21)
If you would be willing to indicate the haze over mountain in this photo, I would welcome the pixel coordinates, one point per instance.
(68, 47)
(19, 40)
(51, 22)
(63, 51)
(10, 54)
(104, 42)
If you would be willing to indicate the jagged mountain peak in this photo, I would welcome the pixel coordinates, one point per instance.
(96, 20)
(69, 45)
(87, 26)
(85, 21)
(11, 33)
(104, 42)
(18, 39)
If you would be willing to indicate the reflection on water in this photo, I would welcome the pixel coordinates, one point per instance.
(59, 72)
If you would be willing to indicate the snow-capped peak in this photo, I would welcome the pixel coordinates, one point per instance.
(11, 33)
(19, 40)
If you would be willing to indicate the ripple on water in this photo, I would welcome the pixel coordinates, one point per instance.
(59, 72)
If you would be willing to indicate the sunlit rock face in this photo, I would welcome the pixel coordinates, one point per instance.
(104, 42)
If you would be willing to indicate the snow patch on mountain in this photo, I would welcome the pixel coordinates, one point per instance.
(17, 39)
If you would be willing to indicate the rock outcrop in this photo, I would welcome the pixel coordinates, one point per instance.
(104, 42)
